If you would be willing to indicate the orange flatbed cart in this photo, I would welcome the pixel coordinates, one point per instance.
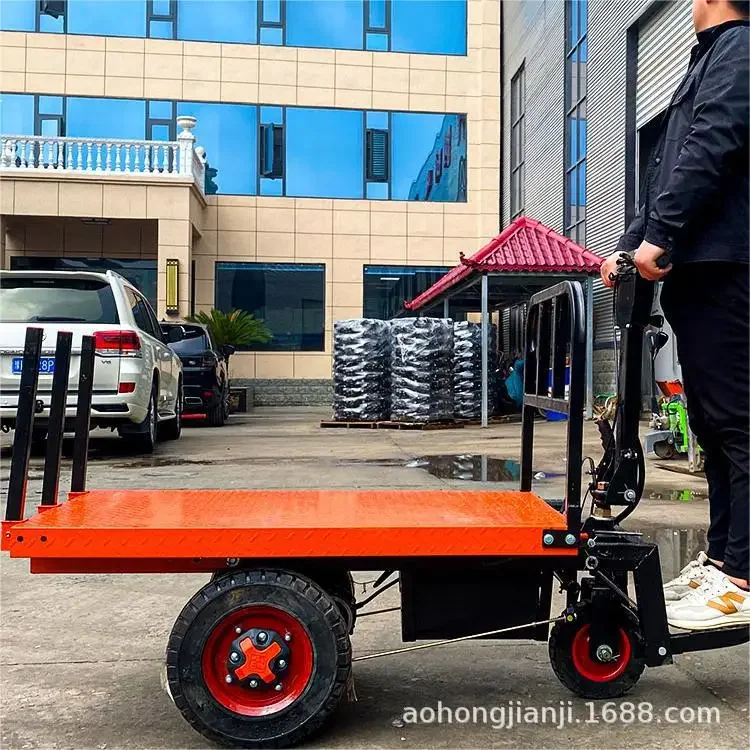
(261, 656)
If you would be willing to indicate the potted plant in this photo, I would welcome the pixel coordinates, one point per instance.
(232, 329)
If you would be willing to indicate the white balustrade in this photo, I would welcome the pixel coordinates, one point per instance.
(107, 156)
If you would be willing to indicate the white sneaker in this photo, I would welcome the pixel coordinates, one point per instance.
(691, 578)
(716, 603)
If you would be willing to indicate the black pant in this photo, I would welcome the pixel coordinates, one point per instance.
(708, 307)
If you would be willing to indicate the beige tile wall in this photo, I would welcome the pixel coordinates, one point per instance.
(344, 235)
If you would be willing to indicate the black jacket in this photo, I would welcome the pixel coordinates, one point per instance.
(695, 200)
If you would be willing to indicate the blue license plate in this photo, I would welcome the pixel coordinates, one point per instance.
(46, 365)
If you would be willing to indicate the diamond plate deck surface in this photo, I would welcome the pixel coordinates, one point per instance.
(139, 524)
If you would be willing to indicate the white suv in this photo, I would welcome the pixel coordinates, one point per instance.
(137, 377)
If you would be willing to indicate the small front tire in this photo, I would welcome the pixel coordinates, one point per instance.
(587, 677)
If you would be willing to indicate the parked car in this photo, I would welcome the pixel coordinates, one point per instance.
(206, 372)
(137, 385)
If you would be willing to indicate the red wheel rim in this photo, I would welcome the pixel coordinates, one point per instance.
(264, 700)
(594, 670)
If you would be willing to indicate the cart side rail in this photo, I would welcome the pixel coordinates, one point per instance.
(29, 406)
(556, 345)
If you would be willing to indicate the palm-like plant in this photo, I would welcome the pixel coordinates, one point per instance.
(236, 328)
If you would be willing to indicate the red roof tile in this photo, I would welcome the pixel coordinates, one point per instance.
(524, 246)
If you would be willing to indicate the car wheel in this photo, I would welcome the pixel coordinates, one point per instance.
(173, 429)
(144, 441)
(217, 415)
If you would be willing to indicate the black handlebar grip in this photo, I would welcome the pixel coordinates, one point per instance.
(664, 259)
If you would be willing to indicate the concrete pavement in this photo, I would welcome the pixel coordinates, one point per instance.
(80, 655)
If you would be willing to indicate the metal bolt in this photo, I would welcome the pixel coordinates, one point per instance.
(228, 678)
(591, 543)
(630, 495)
(277, 687)
(548, 539)
(234, 656)
(282, 663)
(662, 651)
(604, 653)
(287, 637)
(253, 683)
(591, 563)
(570, 618)
(238, 630)
(570, 539)
(262, 636)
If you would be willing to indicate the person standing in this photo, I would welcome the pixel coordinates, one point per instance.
(694, 220)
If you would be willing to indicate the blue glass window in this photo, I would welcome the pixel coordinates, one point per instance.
(288, 297)
(110, 18)
(386, 288)
(223, 21)
(576, 25)
(106, 118)
(378, 14)
(16, 114)
(377, 42)
(18, 15)
(228, 133)
(436, 26)
(428, 157)
(324, 153)
(334, 24)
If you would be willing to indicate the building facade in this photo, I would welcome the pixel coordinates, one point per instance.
(588, 80)
(305, 160)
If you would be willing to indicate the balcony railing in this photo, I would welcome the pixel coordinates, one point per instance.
(107, 156)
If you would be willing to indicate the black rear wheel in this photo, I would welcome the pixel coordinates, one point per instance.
(589, 671)
(664, 450)
(259, 659)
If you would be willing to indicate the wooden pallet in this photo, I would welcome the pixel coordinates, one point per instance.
(389, 425)
(502, 419)
(349, 425)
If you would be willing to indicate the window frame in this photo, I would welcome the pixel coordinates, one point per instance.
(250, 265)
(575, 229)
(518, 160)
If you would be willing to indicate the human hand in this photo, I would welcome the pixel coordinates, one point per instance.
(609, 267)
(645, 261)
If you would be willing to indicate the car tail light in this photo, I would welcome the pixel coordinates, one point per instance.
(117, 343)
(126, 388)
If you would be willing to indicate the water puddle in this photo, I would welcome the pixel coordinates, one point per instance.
(474, 467)
(676, 495)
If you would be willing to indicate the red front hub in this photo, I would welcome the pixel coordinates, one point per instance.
(257, 660)
(593, 669)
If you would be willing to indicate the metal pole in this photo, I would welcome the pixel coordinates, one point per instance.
(485, 349)
(56, 426)
(19, 462)
(589, 348)
(83, 415)
(446, 308)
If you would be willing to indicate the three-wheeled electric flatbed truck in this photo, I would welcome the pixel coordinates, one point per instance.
(260, 657)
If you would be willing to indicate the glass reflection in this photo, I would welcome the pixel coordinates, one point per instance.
(229, 134)
(109, 18)
(336, 24)
(386, 288)
(227, 21)
(433, 26)
(288, 297)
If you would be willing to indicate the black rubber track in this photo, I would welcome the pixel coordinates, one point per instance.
(293, 593)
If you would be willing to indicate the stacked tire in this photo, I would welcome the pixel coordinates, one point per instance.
(467, 370)
(361, 370)
(421, 369)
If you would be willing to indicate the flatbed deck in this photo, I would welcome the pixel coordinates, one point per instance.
(173, 526)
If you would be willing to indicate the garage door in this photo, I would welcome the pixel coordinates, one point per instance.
(664, 46)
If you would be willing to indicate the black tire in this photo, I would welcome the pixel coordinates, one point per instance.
(172, 429)
(144, 440)
(664, 450)
(562, 647)
(232, 596)
(217, 416)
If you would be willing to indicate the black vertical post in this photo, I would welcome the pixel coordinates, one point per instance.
(58, 402)
(19, 464)
(529, 388)
(83, 415)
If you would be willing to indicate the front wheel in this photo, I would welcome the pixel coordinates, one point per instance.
(591, 671)
(258, 659)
